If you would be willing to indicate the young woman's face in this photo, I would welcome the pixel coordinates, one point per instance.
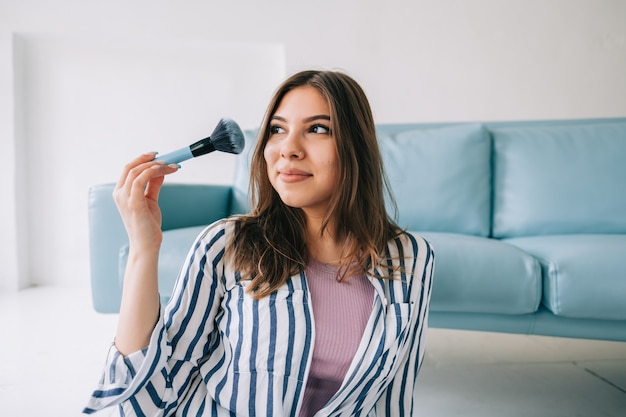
(301, 154)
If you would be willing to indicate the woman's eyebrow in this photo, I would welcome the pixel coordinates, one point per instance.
(306, 120)
(317, 117)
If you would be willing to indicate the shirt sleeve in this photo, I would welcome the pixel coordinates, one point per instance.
(129, 376)
(149, 381)
(397, 398)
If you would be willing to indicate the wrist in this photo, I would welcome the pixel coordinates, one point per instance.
(145, 246)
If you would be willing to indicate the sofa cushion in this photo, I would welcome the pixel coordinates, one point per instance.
(584, 275)
(440, 177)
(480, 275)
(174, 249)
(559, 179)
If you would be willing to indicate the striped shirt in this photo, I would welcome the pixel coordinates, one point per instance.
(216, 351)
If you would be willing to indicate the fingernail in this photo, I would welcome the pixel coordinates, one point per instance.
(177, 166)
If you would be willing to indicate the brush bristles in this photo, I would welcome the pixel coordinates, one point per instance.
(228, 137)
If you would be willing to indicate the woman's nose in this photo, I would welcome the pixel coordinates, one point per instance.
(291, 148)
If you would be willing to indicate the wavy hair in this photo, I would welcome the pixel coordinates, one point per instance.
(269, 244)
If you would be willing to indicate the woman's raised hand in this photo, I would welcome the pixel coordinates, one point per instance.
(136, 196)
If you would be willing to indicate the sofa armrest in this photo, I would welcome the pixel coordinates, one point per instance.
(182, 205)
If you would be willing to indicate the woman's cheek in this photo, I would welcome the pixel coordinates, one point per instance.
(270, 154)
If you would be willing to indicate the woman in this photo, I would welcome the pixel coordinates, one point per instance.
(315, 303)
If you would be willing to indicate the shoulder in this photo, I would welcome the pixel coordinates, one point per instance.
(210, 251)
(410, 245)
(406, 269)
(221, 227)
(414, 259)
(216, 236)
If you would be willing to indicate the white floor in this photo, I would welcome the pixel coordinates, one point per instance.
(52, 345)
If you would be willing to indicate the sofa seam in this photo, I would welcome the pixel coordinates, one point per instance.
(551, 266)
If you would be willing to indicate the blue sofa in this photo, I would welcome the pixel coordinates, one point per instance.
(528, 222)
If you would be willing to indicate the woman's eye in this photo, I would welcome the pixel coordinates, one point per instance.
(320, 129)
(274, 129)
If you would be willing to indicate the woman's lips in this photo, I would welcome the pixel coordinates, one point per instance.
(293, 175)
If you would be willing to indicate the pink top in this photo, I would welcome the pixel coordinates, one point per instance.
(341, 310)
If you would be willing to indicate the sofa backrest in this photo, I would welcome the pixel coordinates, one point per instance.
(559, 179)
(440, 176)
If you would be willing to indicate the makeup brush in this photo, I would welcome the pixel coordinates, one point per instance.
(226, 137)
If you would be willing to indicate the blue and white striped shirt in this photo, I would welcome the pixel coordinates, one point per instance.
(217, 352)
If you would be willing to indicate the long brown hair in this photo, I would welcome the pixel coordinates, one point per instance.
(269, 244)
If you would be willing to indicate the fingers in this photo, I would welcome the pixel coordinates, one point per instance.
(147, 157)
(142, 178)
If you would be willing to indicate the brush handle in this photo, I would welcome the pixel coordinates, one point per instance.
(177, 156)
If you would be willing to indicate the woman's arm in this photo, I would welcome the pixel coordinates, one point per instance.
(136, 196)
(153, 381)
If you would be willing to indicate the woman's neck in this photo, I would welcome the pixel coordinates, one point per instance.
(324, 247)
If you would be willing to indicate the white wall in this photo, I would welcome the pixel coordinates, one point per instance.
(437, 60)
(11, 274)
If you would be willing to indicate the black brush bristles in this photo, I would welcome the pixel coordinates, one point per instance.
(226, 137)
